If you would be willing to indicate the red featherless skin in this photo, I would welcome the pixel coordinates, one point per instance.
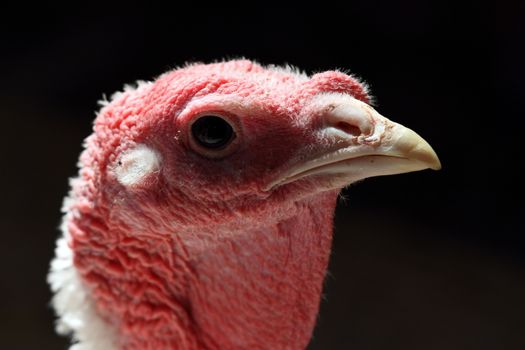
(179, 246)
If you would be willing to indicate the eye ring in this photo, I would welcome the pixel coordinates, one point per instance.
(213, 135)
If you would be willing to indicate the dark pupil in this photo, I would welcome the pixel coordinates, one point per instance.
(212, 132)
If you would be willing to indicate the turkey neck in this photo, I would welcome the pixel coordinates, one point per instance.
(260, 288)
(257, 287)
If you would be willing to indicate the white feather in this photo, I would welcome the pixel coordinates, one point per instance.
(75, 310)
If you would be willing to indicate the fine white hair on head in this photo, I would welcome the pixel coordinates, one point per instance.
(138, 87)
(289, 69)
(135, 164)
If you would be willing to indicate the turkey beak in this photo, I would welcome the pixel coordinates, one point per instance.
(407, 144)
(394, 150)
(356, 142)
(389, 147)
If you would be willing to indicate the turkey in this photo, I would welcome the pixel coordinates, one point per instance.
(202, 214)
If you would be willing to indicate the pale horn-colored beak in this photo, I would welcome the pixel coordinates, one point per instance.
(405, 143)
(363, 144)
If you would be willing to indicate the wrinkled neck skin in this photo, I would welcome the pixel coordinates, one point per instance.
(258, 287)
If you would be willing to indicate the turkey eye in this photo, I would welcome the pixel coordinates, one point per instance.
(212, 132)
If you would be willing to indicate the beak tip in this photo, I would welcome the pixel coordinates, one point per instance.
(429, 157)
(413, 146)
(436, 165)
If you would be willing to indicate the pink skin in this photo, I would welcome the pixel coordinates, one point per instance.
(199, 255)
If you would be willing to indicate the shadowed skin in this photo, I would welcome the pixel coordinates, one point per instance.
(223, 249)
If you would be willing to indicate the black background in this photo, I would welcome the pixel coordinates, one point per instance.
(428, 260)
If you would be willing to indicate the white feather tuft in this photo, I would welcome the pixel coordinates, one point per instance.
(75, 310)
(136, 164)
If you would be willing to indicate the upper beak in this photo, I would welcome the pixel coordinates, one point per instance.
(406, 143)
(363, 144)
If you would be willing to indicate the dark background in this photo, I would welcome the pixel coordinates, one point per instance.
(428, 260)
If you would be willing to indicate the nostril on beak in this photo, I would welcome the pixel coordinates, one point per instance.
(344, 117)
(352, 121)
(348, 128)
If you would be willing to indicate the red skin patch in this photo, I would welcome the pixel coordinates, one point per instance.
(198, 255)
